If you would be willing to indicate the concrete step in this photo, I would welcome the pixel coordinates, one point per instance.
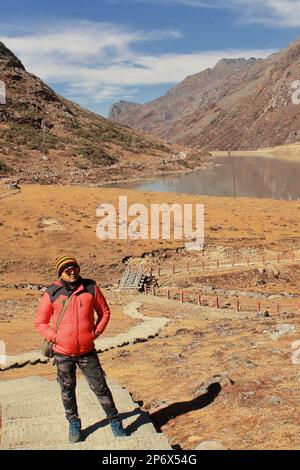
(155, 442)
(28, 412)
(33, 418)
(45, 395)
(23, 388)
(24, 384)
(52, 430)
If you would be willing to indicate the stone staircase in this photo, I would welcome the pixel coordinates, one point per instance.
(33, 419)
(133, 279)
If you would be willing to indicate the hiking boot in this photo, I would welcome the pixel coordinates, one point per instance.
(117, 428)
(75, 431)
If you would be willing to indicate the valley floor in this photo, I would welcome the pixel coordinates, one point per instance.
(254, 401)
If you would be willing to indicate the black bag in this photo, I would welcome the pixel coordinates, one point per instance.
(47, 347)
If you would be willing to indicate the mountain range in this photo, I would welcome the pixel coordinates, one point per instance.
(238, 104)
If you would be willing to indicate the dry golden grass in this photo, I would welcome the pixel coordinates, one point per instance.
(197, 343)
(42, 222)
(288, 152)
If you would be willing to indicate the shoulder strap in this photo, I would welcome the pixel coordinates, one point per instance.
(63, 311)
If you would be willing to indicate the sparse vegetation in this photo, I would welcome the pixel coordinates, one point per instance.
(111, 133)
(29, 136)
(96, 155)
(4, 168)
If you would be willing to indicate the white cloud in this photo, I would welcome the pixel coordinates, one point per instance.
(81, 40)
(278, 13)
(284, 13)
(96, 62)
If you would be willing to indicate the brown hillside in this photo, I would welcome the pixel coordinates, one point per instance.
(239, 104)
(45, 138)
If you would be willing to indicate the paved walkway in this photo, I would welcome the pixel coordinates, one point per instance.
(148, 328)
(33, 418)
(33, 415)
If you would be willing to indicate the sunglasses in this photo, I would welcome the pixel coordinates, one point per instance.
(70, 270)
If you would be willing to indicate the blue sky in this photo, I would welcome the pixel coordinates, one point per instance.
(97, 52)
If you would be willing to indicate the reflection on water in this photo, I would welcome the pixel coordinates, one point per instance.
(241, 176)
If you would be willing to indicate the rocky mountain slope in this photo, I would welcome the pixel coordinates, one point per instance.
(238, 104)
(45, 138)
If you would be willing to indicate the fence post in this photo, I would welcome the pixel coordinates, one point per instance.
(248, 262)
(199, 300)
(158, 270)
(188, 267)
(258, 306)
(237, 304)
(168, 294)
(217, 302)
(182, 296)
(173, 268)
(277, 309)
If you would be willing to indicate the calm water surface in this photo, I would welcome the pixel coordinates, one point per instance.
(261, 177)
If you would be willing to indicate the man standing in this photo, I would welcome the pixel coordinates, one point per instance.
(74, 340)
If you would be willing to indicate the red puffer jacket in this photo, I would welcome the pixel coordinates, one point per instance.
(77, 331)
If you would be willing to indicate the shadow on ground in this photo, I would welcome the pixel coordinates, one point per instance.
(142, 419)
(161, 417)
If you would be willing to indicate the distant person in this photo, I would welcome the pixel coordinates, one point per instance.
(74, 341)
(229, 154)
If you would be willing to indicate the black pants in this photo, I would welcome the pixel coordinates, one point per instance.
(90, 366)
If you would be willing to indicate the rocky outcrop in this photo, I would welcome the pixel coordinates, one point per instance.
(8, 59)
(122, 107)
